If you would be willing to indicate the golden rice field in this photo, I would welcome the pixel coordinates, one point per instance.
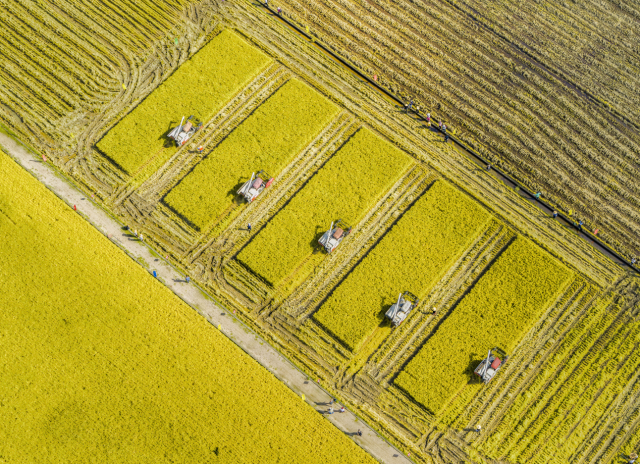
(100, 362)
(490, 269)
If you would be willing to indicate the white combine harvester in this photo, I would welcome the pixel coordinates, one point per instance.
(336, 233)
(183, 132)
(399, 311)
(489, 367)
(254, 186)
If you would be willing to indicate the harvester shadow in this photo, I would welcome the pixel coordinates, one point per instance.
(163, 135)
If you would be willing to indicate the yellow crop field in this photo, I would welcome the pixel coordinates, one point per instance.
(200, 87)
(411, 257)
(500, 308)
(344, 189)
(267, 140)
(101, 363)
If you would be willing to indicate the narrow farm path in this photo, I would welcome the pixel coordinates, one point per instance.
(257, 348)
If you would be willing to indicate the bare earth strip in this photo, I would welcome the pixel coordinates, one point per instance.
(230, 326)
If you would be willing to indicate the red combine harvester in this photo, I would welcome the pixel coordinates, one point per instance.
(489, 367)
(254, 186)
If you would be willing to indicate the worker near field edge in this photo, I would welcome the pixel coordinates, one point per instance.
(555, 214)
(409, 106)
(537, 195)
(633, 261)
(478, 429)
(249, 227)
(632, 458)
(580, 224)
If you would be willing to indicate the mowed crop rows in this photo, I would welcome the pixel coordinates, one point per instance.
(200, 87)
(117, 366)
(345, 188)
(547, 92)
(412, 256)
(424, 220)
(498, 310)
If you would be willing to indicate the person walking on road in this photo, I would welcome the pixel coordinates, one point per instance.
(188, 279)
(342, 409)
(330, 410)
(488, 167)
(359, 432)
(555, 214)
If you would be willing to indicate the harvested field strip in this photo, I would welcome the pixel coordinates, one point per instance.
(200, 87)
(498, 310)
(404, 342)
(345, 188)
(413, 256)
(574, 346)
(267, 140)
(115, 352)
(534, 352)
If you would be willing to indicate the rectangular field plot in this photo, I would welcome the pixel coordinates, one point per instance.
(201, 86)
(413, 256)
(498, 310)
(345, 188)
(105, 364)
(267, 140)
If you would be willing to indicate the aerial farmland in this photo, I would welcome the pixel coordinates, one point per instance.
(468, 292)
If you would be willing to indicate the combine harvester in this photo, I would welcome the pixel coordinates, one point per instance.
(182, 133)
(254, 186)
(332, 238)
(489, 367)
(399, 311)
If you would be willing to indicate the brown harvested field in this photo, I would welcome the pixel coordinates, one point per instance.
(548, 91)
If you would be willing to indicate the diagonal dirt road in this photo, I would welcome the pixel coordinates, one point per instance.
(253, 345)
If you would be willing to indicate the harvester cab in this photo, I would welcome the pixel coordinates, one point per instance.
(254, 186)
(336, 233)
(184, 131)
(399, 311)
(489, 367)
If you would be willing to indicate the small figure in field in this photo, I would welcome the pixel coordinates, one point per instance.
(440, 124)
(433, 313)
(478, 428)
(342, 409)
(537, 195)
(359, 432)
(249, 227)
(188, 279)
(488, 167)
(279, 11)
(200, 148)
(429, 118)
(446, 138)
(266, 3)
(444, 128)
(330, 411)
(409, 106)
(580, 225)
(141, 237)
(333, 400)
(633, 261)
(135, 232)
(555, 214)
(632, 458)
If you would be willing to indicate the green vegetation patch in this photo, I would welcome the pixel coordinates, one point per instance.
(345, 188)
(267, 140)
(101, 363)
(200, 86)
(412, 257)
(498, 310)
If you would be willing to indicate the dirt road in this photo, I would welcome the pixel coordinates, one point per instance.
(256, 347)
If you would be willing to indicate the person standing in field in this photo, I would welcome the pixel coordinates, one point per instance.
(446, 138)
(633, 261)
(478, 429)
(632, 458)
(488, 167)
(444, 128)
(440, 124)
(580, 225)
(429, 118)
(555, 214)
(537, 195)
(141, 237)
(249, 227)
